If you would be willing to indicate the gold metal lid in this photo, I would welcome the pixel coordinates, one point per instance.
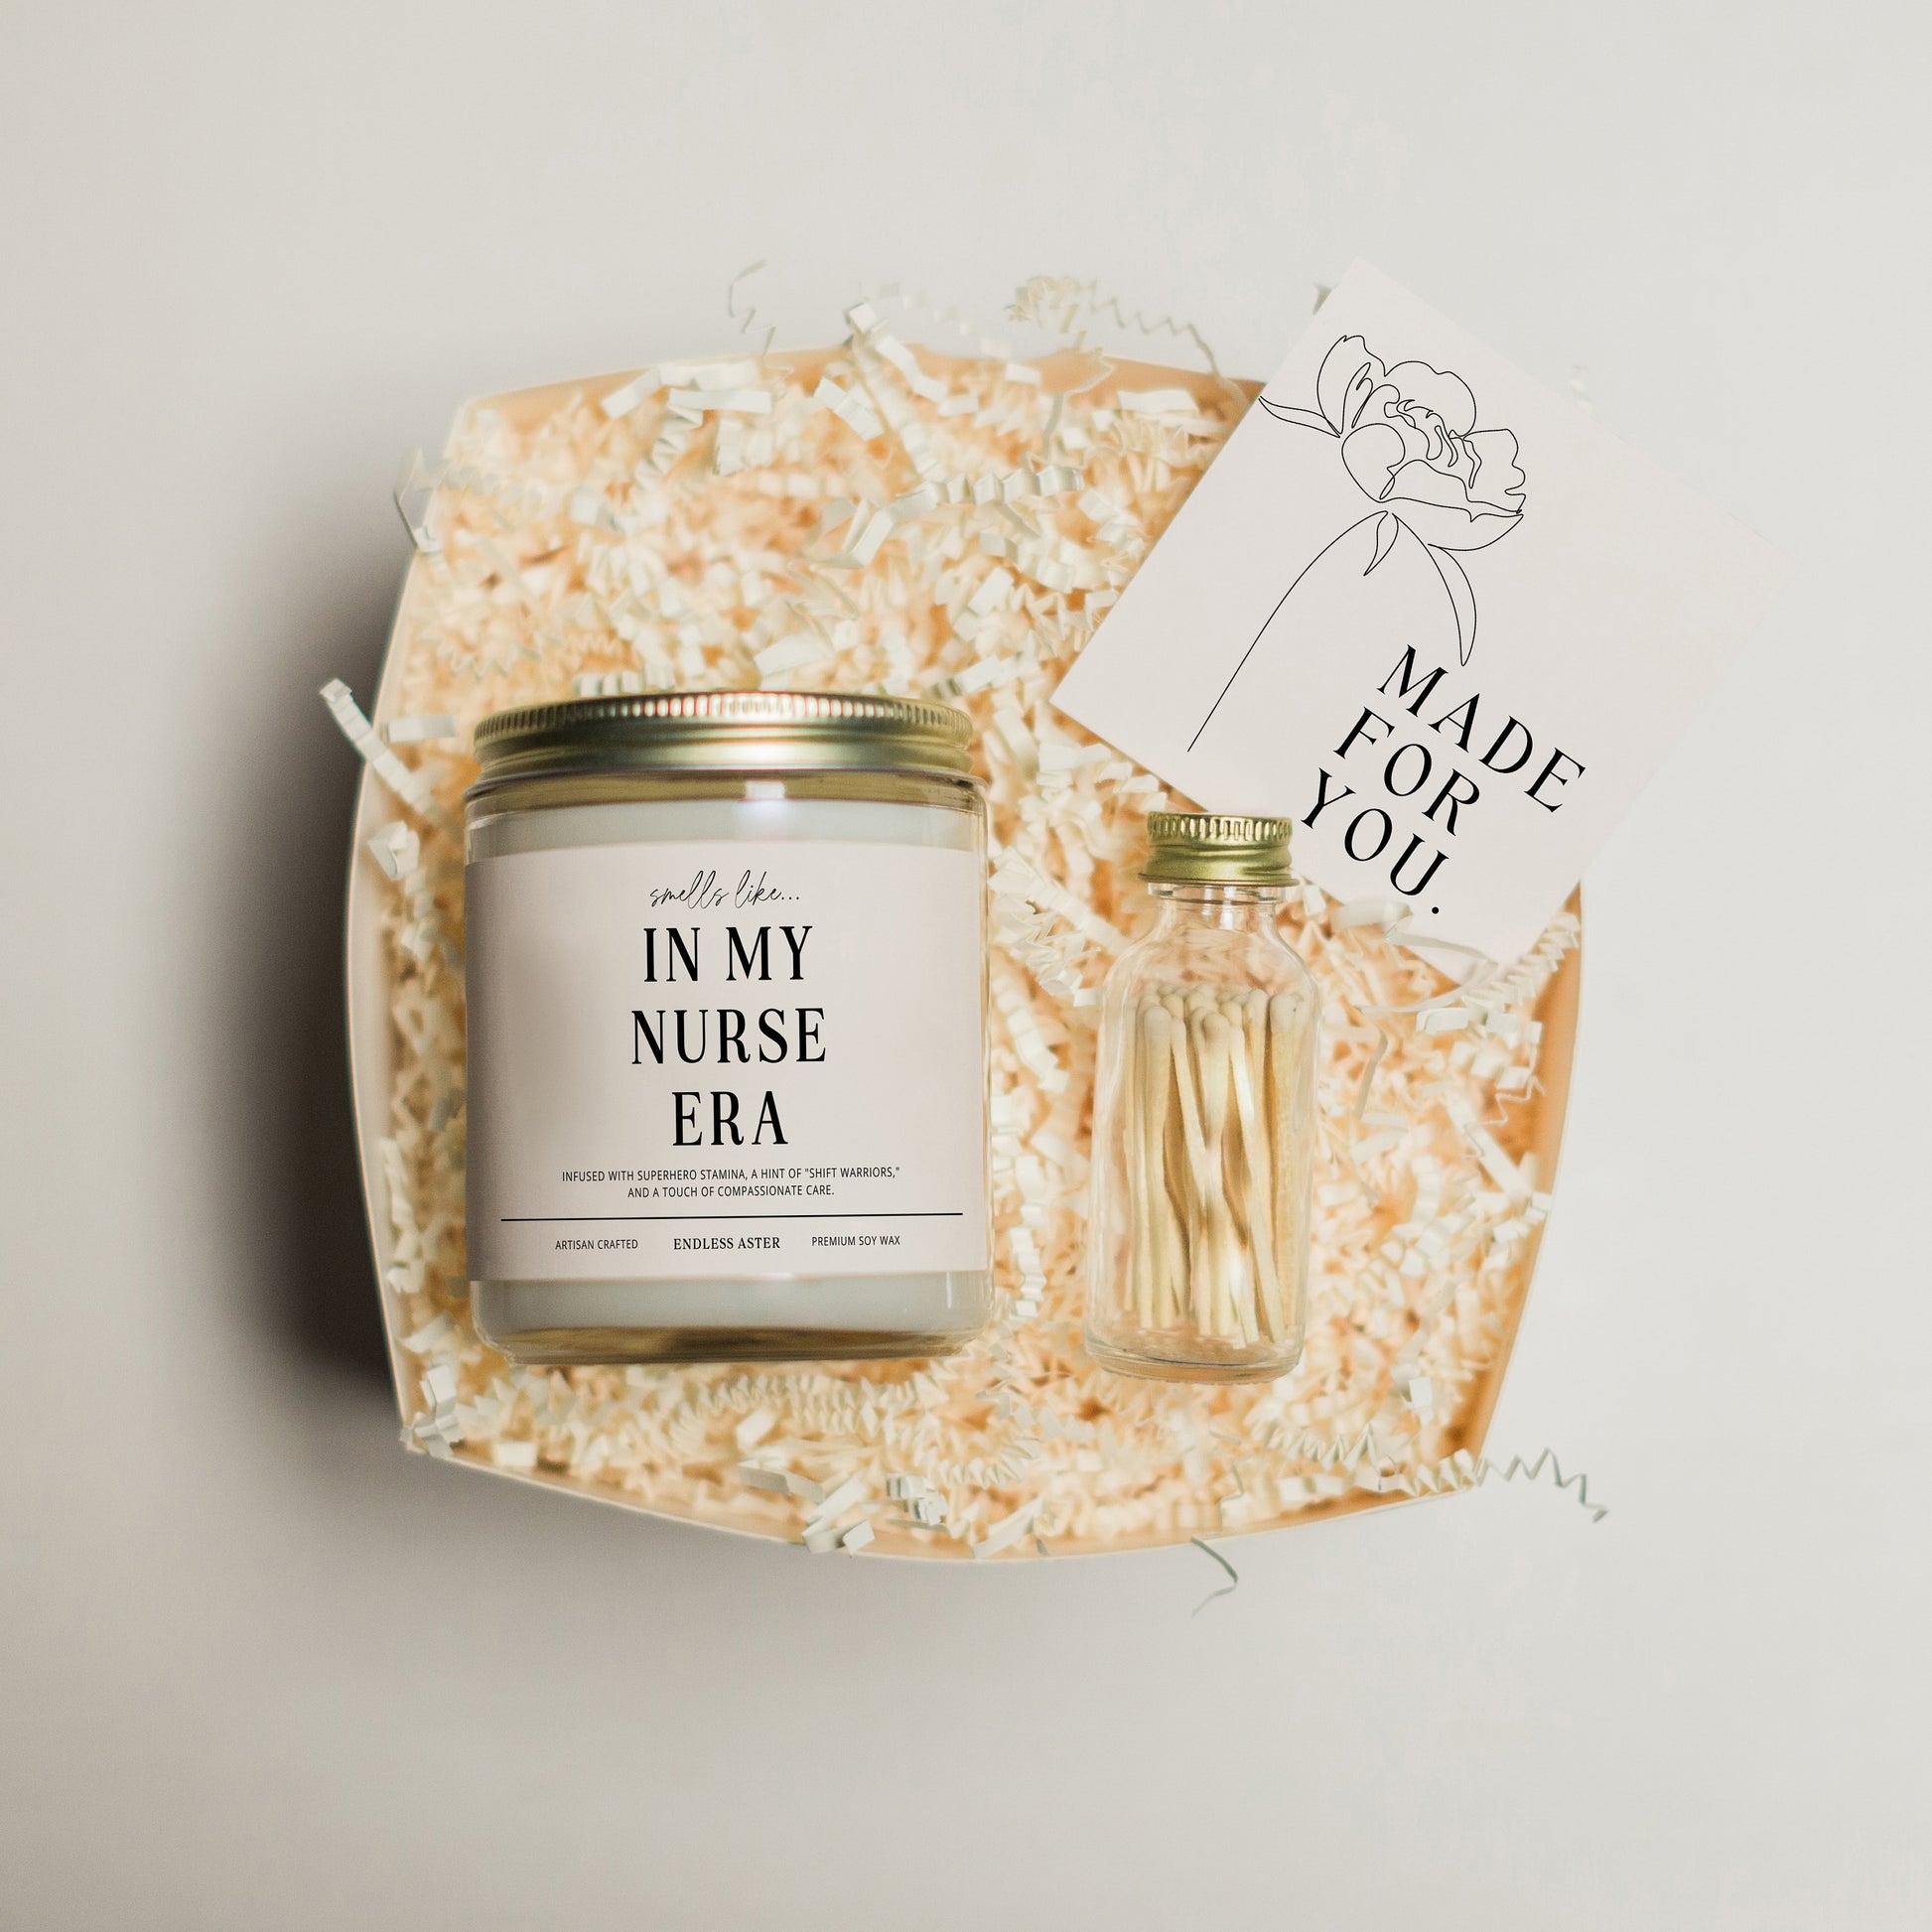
(1216, 849)
(732, 730)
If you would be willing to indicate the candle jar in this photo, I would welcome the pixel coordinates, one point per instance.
(1205, 1117)
(726, 987)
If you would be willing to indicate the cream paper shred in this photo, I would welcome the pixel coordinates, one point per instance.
(882, 518)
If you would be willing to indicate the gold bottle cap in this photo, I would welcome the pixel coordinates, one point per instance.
(738, 731)
(1216, 849)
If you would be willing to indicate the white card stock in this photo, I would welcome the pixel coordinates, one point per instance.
(1432, 613)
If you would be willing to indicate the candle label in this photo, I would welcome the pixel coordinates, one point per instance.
(720, 1059)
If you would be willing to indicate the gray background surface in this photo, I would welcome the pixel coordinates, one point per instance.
(258, 1668)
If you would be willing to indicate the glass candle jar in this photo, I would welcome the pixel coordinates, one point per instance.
(726, 983)
(1205, 1117)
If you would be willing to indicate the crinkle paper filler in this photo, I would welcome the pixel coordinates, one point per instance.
(879, 516)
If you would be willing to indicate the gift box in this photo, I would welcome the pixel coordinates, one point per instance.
(883, 517)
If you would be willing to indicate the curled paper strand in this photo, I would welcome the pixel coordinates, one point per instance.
(1233, 1575)
(408, 785)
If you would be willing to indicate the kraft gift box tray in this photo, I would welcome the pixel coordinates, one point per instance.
(1440, 1133)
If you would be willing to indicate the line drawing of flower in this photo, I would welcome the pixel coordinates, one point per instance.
(1407, 436)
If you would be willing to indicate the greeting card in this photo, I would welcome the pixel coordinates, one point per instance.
(1431, 612)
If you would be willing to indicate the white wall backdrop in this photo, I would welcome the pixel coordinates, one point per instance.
(258, 1668)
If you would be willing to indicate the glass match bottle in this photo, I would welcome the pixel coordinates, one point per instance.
(1205, 1117)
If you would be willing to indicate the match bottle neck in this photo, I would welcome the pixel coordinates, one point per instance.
(1224, 909)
